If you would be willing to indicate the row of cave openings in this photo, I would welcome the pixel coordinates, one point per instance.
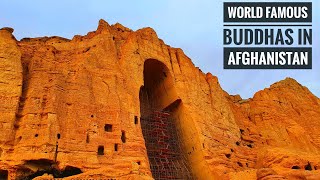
(46, 166)
(109, 128)
(158, 100)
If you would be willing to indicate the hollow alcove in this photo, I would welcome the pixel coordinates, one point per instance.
(108, 127)
(123, 136)
(159, 106)
(70, 171)
(3, 174)
(101, 150)
(308, 167)
(295, 167)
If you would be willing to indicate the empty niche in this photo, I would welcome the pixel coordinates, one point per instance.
(136, 121)
(101, 150)
(108, 127)
(70, 171)
(308, 167)
(228, 156)
(88, 138)
(123, 136)
(58, 136)
(3, 174)
(116, 146)
(56, 173)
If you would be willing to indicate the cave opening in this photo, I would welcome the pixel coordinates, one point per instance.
(308, 167)
(159, 109)
(295, 167)
(35, 168)
(100, 150)
(3, 174)
(108, 127)
(70, 171)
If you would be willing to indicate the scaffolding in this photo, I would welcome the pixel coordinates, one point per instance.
(163, 147)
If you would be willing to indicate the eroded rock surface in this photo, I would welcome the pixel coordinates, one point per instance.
(71, 108)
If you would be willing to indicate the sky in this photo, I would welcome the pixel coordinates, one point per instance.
(196, 26)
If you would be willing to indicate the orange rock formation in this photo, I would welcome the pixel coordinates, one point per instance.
(74, 108)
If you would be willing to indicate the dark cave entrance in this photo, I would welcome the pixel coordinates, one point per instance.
(158, 108)
(36, 168)
(100, 150)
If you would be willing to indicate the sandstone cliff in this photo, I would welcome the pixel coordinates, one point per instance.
(73, 109)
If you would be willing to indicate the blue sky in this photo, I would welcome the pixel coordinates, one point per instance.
(196, 26)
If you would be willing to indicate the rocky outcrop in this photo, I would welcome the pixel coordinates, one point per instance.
(72, 108)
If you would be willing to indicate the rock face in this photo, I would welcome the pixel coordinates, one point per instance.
(73, 109)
